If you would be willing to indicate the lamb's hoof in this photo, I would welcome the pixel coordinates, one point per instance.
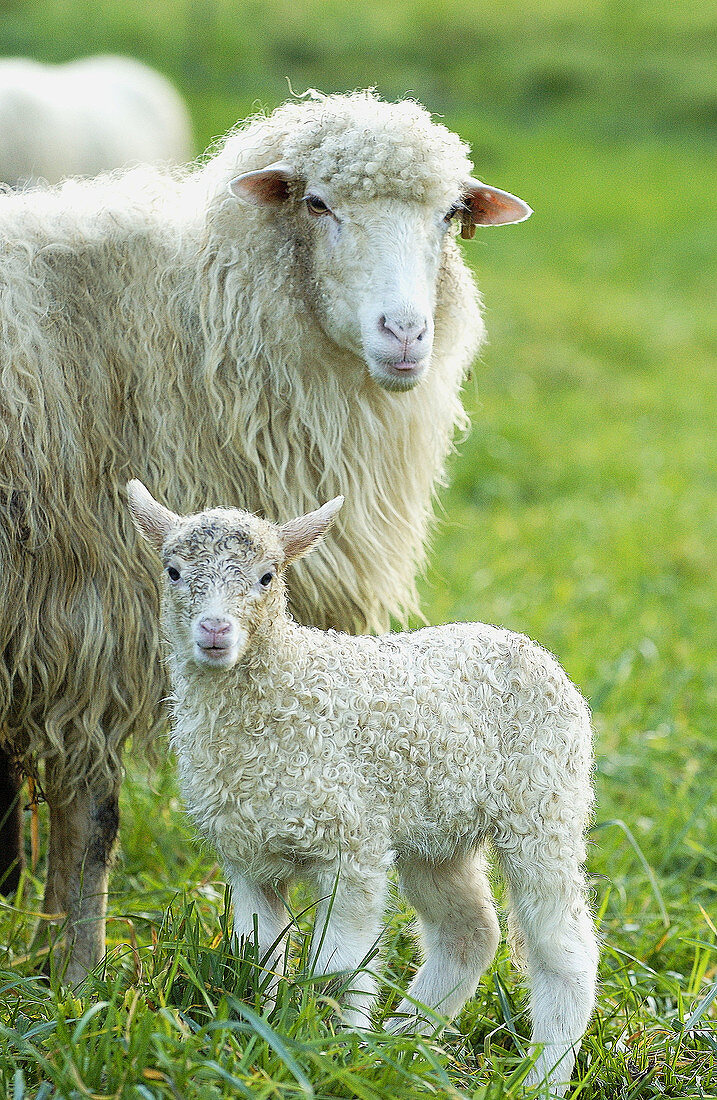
(356, 1018)
(410, 1022)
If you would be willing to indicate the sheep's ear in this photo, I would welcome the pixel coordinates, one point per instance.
(266, 187)
(152, 520)
(298, 536)
(490, 206)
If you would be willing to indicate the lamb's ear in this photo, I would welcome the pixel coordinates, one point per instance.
(265, 187)
(490, 206)
(298, 536)
(152, 520)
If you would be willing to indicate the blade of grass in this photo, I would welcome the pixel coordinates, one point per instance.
(267, 1033)
(645, 865)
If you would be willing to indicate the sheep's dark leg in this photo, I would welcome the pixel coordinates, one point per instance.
(82, 838)
(12, 857)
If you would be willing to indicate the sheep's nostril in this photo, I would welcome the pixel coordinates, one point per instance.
(406, 334)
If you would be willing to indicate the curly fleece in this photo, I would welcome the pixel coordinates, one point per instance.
(311, 750)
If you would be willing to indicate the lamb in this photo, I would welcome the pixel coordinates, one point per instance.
(293, 312)
(311, 753)
(87, 117)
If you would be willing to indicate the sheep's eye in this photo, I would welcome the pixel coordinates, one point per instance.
(173, 573)
(266, 580)
(316, 206)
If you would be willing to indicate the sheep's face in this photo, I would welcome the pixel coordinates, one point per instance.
(371, 264)
(373, 270)
(222, 568)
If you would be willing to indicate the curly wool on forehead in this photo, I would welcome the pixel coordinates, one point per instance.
(226, 532)
(366, 148)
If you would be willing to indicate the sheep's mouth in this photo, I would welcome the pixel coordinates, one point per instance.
(397, 374)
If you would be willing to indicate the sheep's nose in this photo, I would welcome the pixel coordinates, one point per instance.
(213, 633)
(406, 333)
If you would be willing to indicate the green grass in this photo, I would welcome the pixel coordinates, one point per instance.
(581, 511)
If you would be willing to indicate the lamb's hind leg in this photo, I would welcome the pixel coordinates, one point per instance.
(558, 938)
(459, 930)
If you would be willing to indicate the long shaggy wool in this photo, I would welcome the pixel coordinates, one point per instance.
(150, 327)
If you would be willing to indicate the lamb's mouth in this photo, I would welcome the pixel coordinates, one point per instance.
(216, 656)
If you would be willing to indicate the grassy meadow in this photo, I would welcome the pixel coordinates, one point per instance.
(582, 510)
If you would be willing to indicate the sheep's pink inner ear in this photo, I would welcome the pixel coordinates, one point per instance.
(265, 187)
(151, 519)
(490, 206)
(298, 536)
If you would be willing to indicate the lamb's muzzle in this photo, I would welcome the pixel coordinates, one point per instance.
(218, 641)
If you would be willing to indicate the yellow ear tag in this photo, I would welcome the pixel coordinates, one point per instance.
(468, 226)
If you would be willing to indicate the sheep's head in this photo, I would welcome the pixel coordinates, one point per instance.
(372, 191)
(223, 572)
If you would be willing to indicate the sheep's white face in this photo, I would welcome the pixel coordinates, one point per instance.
(371, 266)
(373, 273)
(223, 573)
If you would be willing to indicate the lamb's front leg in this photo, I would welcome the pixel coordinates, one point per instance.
(260, 910)
(348, 925)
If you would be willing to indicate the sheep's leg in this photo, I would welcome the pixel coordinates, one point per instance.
(12, 858)
(82, 837)
(349, 919)
(261, 917)
(558, 939)
(459, 930)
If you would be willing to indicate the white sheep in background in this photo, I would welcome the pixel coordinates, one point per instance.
(87, 117)
(294, 312)
(325, 756)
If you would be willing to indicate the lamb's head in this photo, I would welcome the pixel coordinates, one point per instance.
(371, 193)
(223, 570)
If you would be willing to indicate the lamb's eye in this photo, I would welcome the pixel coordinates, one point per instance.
(173, 573)
(316, 206)
(266, 580)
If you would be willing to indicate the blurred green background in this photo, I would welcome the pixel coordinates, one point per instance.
(623, 70)
(583, 503)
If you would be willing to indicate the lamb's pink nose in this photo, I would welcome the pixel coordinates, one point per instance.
(213, 633)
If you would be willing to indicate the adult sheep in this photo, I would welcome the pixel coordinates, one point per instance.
(87, 117)
(292, 316)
